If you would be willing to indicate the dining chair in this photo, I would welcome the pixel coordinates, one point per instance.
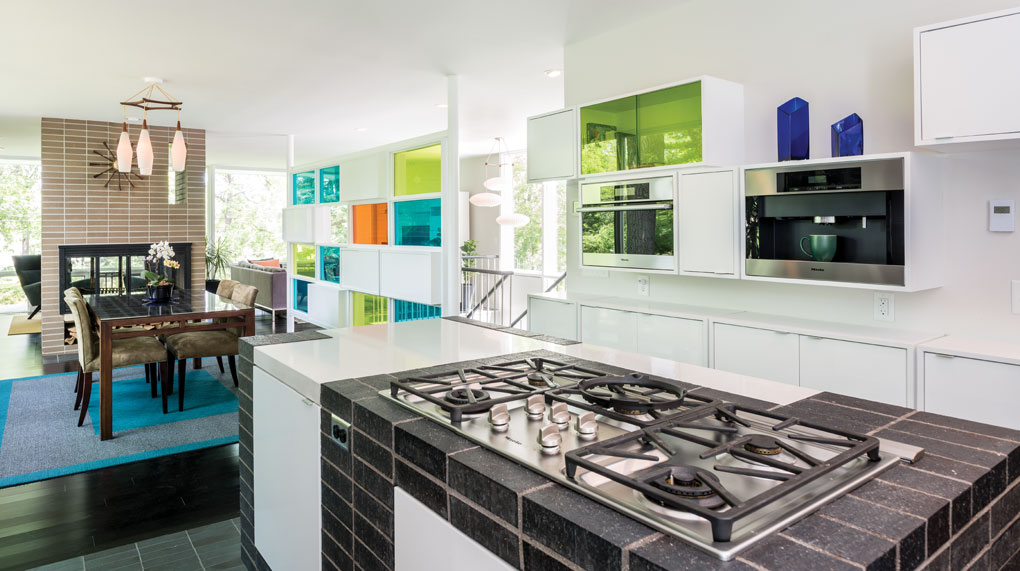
(126, 353)
(198, 344)
(224, 289)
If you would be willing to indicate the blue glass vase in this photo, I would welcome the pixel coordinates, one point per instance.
(793, 130)
(848, 136)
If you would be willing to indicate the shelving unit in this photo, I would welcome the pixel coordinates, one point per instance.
(365, 238)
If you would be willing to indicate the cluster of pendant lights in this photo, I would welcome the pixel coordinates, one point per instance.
(178, 150)
(495, 186)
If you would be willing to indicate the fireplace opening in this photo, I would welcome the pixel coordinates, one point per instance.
(114, 269)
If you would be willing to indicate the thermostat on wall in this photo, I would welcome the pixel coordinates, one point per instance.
(1000, 216)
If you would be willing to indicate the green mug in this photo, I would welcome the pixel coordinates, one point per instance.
(822, 247)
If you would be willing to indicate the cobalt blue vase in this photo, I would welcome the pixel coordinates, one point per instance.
(793, 130)
(848, 136)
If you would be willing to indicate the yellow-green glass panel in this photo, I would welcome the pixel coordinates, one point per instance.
(669, 126)
(369, 309)
(303, 258)
(418, 171)
(609, 136)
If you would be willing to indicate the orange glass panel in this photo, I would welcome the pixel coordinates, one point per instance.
(368, 223)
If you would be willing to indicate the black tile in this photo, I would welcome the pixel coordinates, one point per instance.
(537, 560)
(377, 542)
(374, 511)
(337, 396)
(337, 505)
(486, 531)
(366, 560)
(378, 382)
(491, 481)
(340, 533)
(959, 493)
(376, 417)
(1006, 547)
(934, 510)
(874, 553)
(1005, 509)
(945, 449)
(989, 486)
(970, 542)
(908, 531)
(667, 552)
(960, 437)
(863, 404)
(583, 531)
(334, 453)
(372, 453)
(778, 552)
(332, 477)
(824, 413)
(245, 367)
(968, 425)
(426, 444)
(370, 480)
(421, 488)
(338, 557)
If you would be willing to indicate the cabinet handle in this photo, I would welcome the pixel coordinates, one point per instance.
(814, 337)
(943, 136)
(308, 402)
(782, 332)
(944, 356)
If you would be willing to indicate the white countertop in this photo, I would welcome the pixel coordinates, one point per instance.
(999, 350)
(380, 349)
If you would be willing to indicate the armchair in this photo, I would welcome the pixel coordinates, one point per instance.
(29, 271)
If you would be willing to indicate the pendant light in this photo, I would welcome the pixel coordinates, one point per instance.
(485, 199)
(124, 152)
(495, 184)
(513, 220)
(178, 150)
(145, 156)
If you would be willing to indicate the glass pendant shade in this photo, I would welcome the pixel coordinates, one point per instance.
(145, 157)
(178, 150)
(485, 199)
(514, 220)
(495, 183)
(124, 152)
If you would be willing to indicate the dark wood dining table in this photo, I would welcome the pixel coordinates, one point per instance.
(191, 310)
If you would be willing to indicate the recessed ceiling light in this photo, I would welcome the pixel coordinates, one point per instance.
(442, 105)
(361, 129)
(553, 72)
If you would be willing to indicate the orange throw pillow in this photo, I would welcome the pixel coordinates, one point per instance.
(273, 263)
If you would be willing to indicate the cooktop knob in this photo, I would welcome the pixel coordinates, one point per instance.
(587, 427)
(499, 417)
(560, 415)
(535, 407)
(550, 439)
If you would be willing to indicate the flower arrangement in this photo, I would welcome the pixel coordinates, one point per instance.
(160, 261)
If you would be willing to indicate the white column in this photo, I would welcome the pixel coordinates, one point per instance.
(451, 188)
(290, 263)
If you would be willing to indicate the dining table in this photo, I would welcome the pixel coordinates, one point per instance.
(133, 315)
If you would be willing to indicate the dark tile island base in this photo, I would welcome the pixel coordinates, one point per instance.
(957, 508)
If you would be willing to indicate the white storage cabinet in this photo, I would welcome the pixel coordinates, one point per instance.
(609, 328)
(757, 352)
(674, 338)
(552, 148)
(411, 275)
(973, 389)
(359, 269)
(553, 317)
(709, 222)
(861, 370)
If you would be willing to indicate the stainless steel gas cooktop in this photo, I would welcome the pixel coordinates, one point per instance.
(719, 475)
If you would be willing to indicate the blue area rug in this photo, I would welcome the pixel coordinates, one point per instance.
(40, 439)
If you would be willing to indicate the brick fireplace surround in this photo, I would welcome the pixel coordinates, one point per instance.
(77, 209)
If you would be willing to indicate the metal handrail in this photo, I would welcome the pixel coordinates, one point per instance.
(503, 278)
(562, 277)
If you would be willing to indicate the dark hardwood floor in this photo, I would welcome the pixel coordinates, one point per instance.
(57, 519)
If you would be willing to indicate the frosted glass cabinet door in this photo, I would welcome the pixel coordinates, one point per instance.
(707, 223)
(858, 370)
(672, 338)
(969, 81)
(551, 146)
(609, 327)
(761, 353)
(982, 391)
(554, 318)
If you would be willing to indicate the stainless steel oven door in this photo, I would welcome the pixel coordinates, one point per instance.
(636, 236)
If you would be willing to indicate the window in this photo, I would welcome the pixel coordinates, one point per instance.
(248, 213)
(539, 246)
(20, 226)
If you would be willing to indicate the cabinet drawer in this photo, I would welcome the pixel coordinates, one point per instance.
(859, 370)
(554, 318)
(762, 353)
(982, 391)
(609, 328)
(672, 338)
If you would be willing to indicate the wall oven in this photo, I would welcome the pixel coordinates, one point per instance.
(628, 224)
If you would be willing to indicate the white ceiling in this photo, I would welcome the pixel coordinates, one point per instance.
(251, 71)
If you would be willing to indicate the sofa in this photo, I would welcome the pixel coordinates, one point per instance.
(271, 283)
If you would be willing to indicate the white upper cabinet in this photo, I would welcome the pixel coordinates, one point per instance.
(359, 269)
(411, 275)
(708, 223)
(966, 84)
(551, 150)
(299, 224)
(363, 178)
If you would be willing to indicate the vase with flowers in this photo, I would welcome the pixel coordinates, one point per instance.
(159, 279)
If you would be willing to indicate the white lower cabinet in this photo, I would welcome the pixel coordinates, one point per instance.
(859, 370)
(672, 338)
(762, 353)
(609, 328)
(982, 391)
(553, 317)
(424, 540)
(288, 504)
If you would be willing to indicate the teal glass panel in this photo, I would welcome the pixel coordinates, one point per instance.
(304, 187)
(329, 185)
(301, 295)
(418, 222)
(330, 256)
(411, 311)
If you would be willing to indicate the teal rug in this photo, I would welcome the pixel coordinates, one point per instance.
(40, 439)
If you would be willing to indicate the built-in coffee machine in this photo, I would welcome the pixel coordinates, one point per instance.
(828, 221)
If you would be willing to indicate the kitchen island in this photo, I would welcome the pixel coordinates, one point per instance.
(954, 508)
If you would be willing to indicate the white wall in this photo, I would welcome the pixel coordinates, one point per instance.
(842, 57)
(484, 229)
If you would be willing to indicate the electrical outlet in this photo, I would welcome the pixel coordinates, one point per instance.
(884, 308)
(1016, 295)
(642, 286)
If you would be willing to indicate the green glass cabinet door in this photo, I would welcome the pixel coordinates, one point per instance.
(669, 126)
(609, 136)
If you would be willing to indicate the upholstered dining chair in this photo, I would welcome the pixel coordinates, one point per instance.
(224, 289)
(198, 344)
(126, 352)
